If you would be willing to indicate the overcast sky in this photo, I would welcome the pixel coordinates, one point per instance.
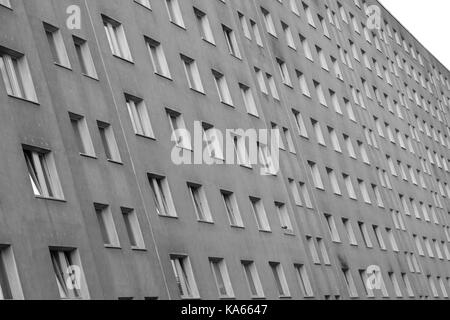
(428, 21)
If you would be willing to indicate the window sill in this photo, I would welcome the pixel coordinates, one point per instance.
(178, 25)
(253, 115)
(137, 249)
(237, 227)
(209, 42)
(167, 77)
(115, 162)
(88, 156)
(90, 77)
(63, 66)
(24, 99)
(235, 56)
(144, 6)
(6, 7)
(227, 104)
(168, 217)
(51, 199)
(123, 59)
(265, 231)
(289, 233)
(145, 137)
(198, 91)
(206, 222)
(108, 246)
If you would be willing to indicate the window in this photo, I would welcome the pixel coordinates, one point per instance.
(244, 26)
(256, 33)
(240, 149)
(364, 192)
(253, 280)
(232, 208)
(332, 228)
(316, 175)
(57, 47)
(309, 15)
(184, 276)
(214, 143)
(365, 234)
(158, 58)
(270, 27)
(442, 286)
(222, 88)
(223, 282)
(249, 100)
(306, 48)
(408, 285)
(266, 161)
(200, 203)
(261, 82)
(272, 86)
(139, 116)
(289, 140)
(433, 287)
(42, 173)
(335, 102)
(320, 94)
(323, 249)
(303, 280)
(116, 38)
(180, 135)
(367, 287)
(284, 73)
(260, 214)
(305, 193)
(280, 279)
(350, 233)
(392, 240)
(295, 193)
(349, 145)
(84, 57)
(283, 215)
(288, 35)
(162, 196)
(349, 185)
(322, 59)
(107, 226)
(82, 135)
(10, 287)
(133, 228)
(204, 26)
(16, 75)
(318, 132)
(379, 237)
(333, 181)
(109, 142)
(192, 74)
(232, 44)
(350, 283)
(300, 124)
(63, 260)
(174, 11)
(303, 84)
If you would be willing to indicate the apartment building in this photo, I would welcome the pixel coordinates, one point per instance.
(93, 94)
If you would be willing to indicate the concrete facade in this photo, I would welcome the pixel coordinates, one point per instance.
(30, 225)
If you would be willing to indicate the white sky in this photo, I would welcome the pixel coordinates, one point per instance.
(428, 21)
